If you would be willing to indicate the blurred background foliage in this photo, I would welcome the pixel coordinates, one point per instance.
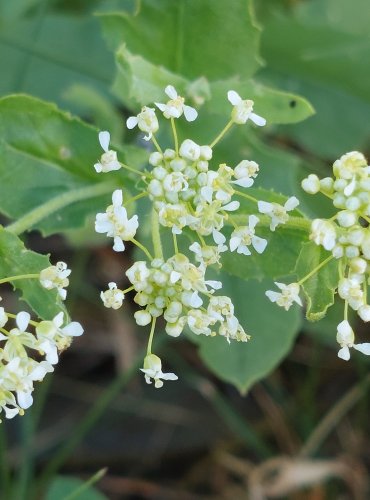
(305, 64)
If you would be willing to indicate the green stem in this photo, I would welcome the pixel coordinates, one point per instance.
(221, 134)
(19, 277)
(292, 223)
(11, 315)
(175, 138)
(314, 271)
(29, 220)
(143, 248)
(346, 310)
(128, 289)
(156, 236)
(247, 196)
(158, 147)
(131, 169)
(175, 243)
(151, 335)
(134, 198)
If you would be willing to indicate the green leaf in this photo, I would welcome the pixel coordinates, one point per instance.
(15, 260)
(63, 486)
(46, 163)
(272, 329)
(320, 288)
(191, 38)
(316, 50)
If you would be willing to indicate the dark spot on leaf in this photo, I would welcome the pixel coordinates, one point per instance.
(293, 103)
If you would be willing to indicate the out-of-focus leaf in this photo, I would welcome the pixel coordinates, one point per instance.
(272, 329)
(45, 53)
(63, 486)
(15, 260)
(320, 288)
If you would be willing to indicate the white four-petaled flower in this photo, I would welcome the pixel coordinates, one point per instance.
(288, 295)
(146, 121)
(153, 370)
(243, 110)
(176, 106)
(108, 160)
(244, 236)
(346, 339)
(277, 212)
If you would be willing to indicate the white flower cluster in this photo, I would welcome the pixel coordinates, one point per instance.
(187, 193)
(346, 237)
(18, 370)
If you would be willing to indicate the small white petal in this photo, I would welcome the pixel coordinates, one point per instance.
(98, 167)
(171, 91)
(218, 237)
(216, 285)
(22, 320)
(207, 193)
(264, 207)
(234, 243)
(118, 244)
(190, 113)
(131, 122)
(74, 329)
(253, 221)
(245, 182)
(175, 276)
(364, 348)
(344, 353)
(25, 399)
(117, 198)
(169, 376)
(160, 106)
(230, 207)
(273, 296)
(58, 319)
(104, 139)
(258, 120)
(291, 204)
(259, 244)
(195, 300)
(233, 97)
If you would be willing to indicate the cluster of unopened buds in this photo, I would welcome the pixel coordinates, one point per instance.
(188, 194)
(30, 349)
(346, 237)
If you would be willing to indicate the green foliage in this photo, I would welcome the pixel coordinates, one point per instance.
(64, 487)
(15, 259)
(53, 154)
(272, 333)
(320, 288)
(319, 49)
(228, 59)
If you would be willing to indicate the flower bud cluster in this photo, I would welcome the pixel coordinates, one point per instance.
(346, 236)
(187, 192)
(19, 346)
(56, 277)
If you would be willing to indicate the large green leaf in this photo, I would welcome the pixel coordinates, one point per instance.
(138, 81)
(43, 54)
(46, 167)
(318, 51)
(272, 329)
(320, 288)
(16, 260)
(192, 38)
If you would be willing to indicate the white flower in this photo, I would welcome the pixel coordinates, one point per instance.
(153, 370)
(53, 337)
(146, 120)
(18, 338)
(116, 224)
(108, 160)
(113, 297)
(243, 110)
(199, 322)
(288, 295)
(175, 107)
(350, 289)
(277, 212)
(3, 317)
(323, 233)
(244, 236)
(346, 338)
(208, 255)
(245, 172)
(9, 405)
(56, 277)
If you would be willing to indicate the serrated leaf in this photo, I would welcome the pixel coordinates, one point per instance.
(15, 260)
(272, 329)
(320, 288)
(191, 38)
(46, 160)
